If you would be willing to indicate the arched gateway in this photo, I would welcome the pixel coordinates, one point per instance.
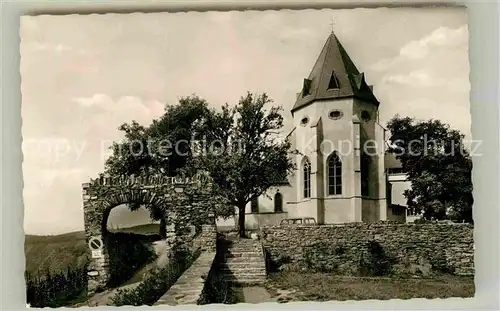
(179, 202)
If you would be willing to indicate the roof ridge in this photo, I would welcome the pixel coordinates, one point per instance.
(328, 47)
(319, 56)
(346, 58)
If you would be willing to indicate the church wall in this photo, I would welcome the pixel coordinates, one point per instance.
(306, 144)
(374, 206)
(304, 208)
(266, 215)
(370, 210)
(369, 145)
(290, 192)
(252, 221)
(304, 133)
(266, 201)
(255, 221)
(339, 210)
(380, 135)
(338, 135)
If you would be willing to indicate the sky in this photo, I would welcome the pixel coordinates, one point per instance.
(84, 75)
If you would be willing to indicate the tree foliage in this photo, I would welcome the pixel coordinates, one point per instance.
(246, 155)
(438, 166)
(162, 147)
(238, 147)
(56, 289)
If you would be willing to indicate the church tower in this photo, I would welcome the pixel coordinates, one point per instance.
(339, 145)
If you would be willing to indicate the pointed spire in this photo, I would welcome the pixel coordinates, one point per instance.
(334, 75)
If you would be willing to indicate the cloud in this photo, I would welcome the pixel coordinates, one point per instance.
(290, 33)
(417, 78)
(95, 100)
(442, 38)
(428, 78)
(104, 115)
(41, 179)
(46, 196)
(130, 105)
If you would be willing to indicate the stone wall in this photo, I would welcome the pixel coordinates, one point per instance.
(190, 286)
(372, 249)
(206, 240)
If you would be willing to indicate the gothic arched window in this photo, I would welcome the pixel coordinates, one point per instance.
(307, 178)
(334, 174)
(278, 203)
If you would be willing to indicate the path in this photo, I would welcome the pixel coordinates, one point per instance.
(256, 294)
(104, 298)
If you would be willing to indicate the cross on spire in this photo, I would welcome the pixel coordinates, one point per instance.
(332, 23)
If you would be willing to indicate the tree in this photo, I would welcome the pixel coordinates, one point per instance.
(438, 166)
(164, 146)
(243, 153)
(238, 147)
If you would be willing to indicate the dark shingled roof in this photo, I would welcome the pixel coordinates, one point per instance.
(334, 75)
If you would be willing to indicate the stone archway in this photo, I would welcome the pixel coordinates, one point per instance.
(179, 201)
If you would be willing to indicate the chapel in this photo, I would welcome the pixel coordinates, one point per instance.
(343, 173)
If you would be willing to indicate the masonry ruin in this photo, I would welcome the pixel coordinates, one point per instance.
(179, 202)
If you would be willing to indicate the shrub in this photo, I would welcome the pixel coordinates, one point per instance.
(56, 290)
(128, 252)
(157, 283)
(439, 262)
(218, 290)
(375, 262)
(274, 263)
(324, 257)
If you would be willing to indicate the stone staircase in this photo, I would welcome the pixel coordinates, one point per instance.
(244, 262)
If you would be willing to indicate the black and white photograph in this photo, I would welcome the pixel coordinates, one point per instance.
(196, 158)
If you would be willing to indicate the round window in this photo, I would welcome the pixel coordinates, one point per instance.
(365, 115)
(304, 121)
(335, 114)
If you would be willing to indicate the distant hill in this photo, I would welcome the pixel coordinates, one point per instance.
(55, 253)
(141, 229)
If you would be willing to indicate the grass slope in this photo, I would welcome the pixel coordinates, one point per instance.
(55, 253)
(326, 287)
